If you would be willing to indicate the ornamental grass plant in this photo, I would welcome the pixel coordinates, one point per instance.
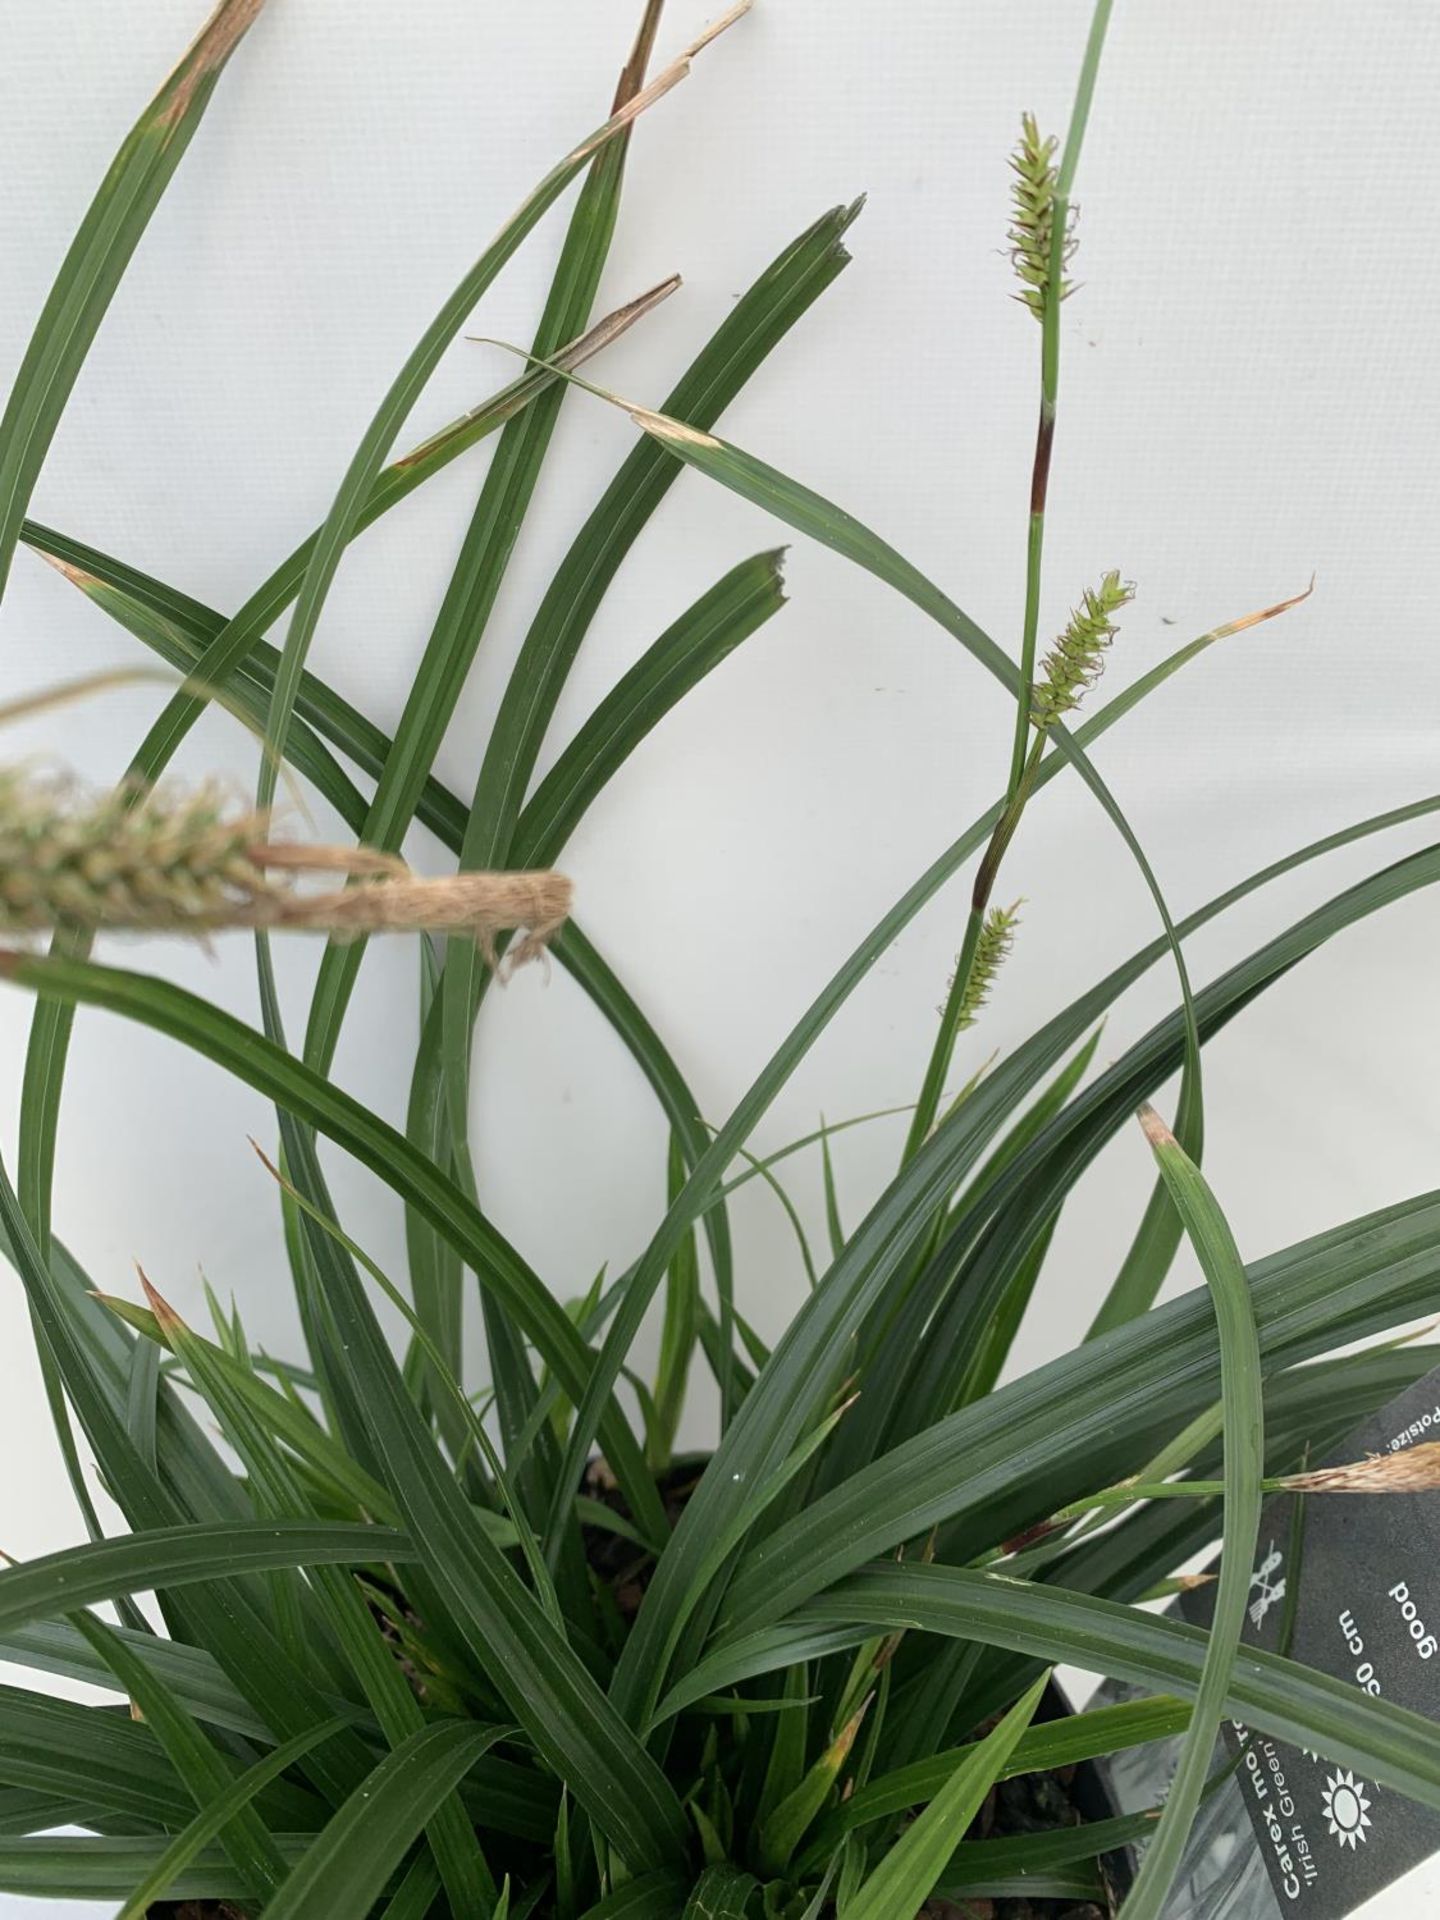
(422, 1643)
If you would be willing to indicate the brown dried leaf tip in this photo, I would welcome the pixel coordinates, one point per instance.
(164, 861)
(166, 1318)
(206, 55)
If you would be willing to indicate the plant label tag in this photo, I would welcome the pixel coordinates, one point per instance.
(1356, 1578)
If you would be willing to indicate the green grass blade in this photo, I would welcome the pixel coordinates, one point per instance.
(57, 1867)
(1034, 1866)
(784, 1828)
(140, 1409)
(813, 1344)
(1014, 1455)
(517, 1646)
(436, 1275)
(678, 1332)
(219, 1617)
(343, 518)
(277, 1415)
(486, 550)
(1210, 1235)
(314, 1101)
(1041, 1113)
(276, 1489)
(1299, 1704)
(899, 1395)
(792, 1217)
(757, 323)
(501, 1532)
(27, 1811)
(109, 1761)
(199, 1764)
(416, 1893)
(348, 1866)
(165, 1557)
(653, 1896)
(1040, 1749)
(909, 1872)
(721, 1893)
(192, 1674)
(1157, 1239)
(97, 259)
(692, 647)
(222, 654)
(834, 1226)
(786, 1766)
(578, 955)
(200, 642)
(1005, 1321)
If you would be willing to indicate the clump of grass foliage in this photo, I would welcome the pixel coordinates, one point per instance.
(395, 1674)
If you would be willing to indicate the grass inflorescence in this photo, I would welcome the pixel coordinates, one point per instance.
(1032, 217)
(1077, 658)
(194, 863)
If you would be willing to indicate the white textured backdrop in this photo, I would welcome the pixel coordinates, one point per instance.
(1248, 394)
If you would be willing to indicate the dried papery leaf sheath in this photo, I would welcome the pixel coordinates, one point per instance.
(189, 863)
(1409, 1470)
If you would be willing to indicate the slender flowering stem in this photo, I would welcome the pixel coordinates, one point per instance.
(1042, 218)
(1052, 294)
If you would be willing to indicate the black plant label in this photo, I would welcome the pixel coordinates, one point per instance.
(1353, 1583)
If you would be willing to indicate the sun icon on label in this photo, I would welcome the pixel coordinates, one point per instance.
(1347, 1810)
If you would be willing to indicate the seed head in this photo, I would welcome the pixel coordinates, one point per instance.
(1076, 660)
(1033, 217)
(155, 862)
(168, 861)
(997, 936)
